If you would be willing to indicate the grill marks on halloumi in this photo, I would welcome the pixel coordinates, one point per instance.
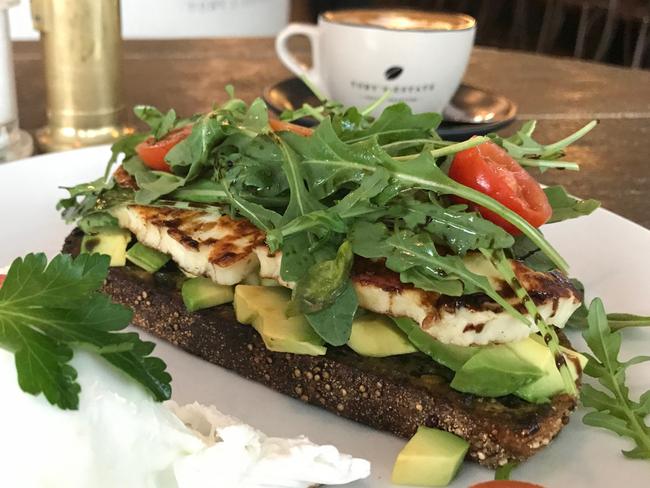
(228, 250)
(201, 243)
(468, 319)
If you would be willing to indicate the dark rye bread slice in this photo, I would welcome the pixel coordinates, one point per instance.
(395, 394)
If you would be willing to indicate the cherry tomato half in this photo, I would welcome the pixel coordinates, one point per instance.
(505, 484)
(2, 279)
(280, 125)
(491, 170)
(153, 152)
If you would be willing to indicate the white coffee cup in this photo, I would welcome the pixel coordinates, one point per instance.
(359, 54)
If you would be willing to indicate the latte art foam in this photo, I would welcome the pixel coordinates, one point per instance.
(401, 19)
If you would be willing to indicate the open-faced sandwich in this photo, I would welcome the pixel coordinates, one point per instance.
(365, 265)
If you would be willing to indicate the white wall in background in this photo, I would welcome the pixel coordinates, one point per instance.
(178, 19)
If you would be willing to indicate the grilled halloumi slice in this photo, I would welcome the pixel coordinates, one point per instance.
(467, 320)
(228, 251)
(201, 243)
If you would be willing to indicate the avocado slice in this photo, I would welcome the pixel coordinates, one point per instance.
(264, 308)
(496, 371)
(448, 355)
(147, 258)
(431, 458)
(377, 336)
(541, 390)
(111, 241)
(525, 368)
(199, 293)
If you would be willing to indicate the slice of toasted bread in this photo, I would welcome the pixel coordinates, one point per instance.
(395, 394)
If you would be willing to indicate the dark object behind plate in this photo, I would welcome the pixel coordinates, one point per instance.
(472, 111)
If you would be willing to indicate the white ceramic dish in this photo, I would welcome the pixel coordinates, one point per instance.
(610, 255)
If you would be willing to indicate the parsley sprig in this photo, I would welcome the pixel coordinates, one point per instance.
(47, 310)
(613, 408)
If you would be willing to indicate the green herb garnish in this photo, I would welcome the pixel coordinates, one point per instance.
(565, 206)
(46, 310)
(613, 408)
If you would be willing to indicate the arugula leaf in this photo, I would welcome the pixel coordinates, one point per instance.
(321, 286)
(81, 201)
(357, 201)
(48, 309)
(152, 184)
(253, 165)
(324, 145)
(528, 152)
(123, 146)
(334, 323)
(97, 220)
(618, 321)
(395, 122)
(189, 156)
(421, 279)
(159, 123)
(301, 201)
(527, 252)
(259, 216)
(454, 226)
(565, 206)
(322, 223)
(256, 118)
(613, 408)
(200, 191)
(295, 261)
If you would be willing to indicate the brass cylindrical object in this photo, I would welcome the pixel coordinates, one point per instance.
(82, 52)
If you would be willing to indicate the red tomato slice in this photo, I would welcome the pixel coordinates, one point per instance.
(505, 484)
(491, 170)
(153, 152)
(2, 279)
(280, 125)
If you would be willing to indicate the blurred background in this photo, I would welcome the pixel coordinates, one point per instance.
(610, 31)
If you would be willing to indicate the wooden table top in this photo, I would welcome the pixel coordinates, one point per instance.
(563, 94)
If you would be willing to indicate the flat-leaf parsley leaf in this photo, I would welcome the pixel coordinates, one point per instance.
(47, 310)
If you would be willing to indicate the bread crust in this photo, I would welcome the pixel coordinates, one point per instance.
(395, 394)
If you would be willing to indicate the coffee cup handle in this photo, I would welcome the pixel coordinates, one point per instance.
(289, 60)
